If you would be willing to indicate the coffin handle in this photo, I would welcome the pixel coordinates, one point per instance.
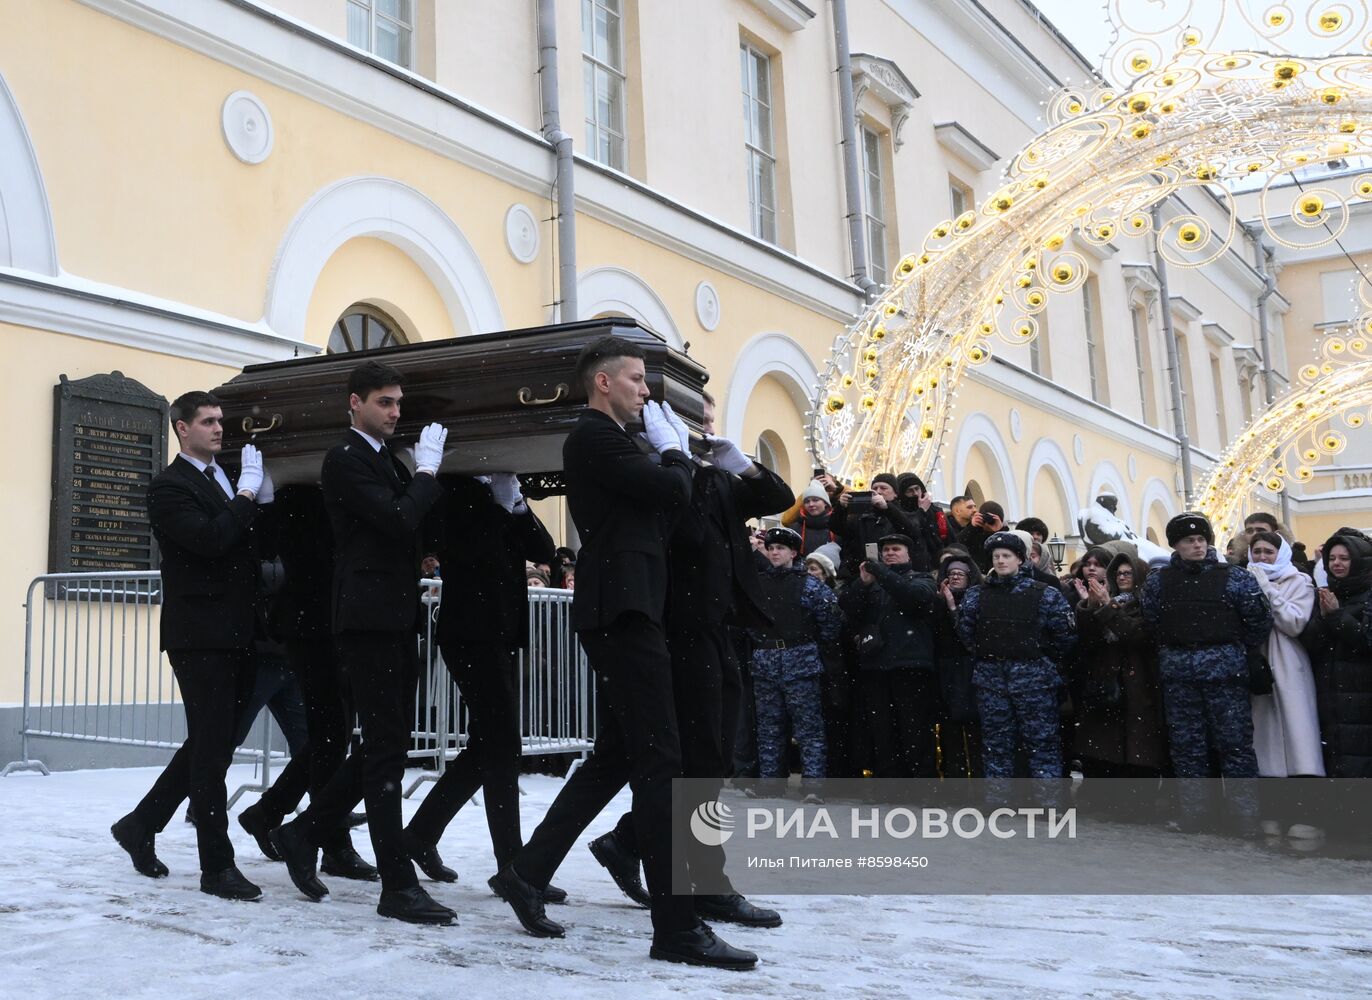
(250, 428)
(527, 397)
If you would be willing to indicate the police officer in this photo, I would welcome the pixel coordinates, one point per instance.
(1208, 615)
(1017, 628)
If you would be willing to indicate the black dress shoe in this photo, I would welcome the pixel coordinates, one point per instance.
(427, 858)
(414, 906)
(734, 909)
(699, 946)
(229, 884)
(526, 901)
(622, 866)
(347, 863)
(552, 894)
(300, 857)
(255, 820)
(131, 835)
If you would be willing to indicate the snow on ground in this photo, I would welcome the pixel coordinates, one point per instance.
(75, 919)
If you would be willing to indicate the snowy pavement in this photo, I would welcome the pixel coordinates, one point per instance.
(75, 919)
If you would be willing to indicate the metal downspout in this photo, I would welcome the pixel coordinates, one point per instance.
(562, 147)
(1173, 363)
(848, 129)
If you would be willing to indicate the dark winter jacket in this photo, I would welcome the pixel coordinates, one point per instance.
(1222, 662)
(1057, 636)
(952, 659)
(1116, 690)
(814, 532)
(855, 531)
(897, 607)
(1340, 645)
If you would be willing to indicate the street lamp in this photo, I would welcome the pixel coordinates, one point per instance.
(1056, 549)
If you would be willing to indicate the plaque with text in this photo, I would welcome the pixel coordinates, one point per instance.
(109, 440)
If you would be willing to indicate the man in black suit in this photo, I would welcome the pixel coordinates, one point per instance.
(203, 525)
(714, 584)
(377, 511)
(624, 506)
(485, 534)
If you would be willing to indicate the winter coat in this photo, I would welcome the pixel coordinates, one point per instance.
(952, 659)
(1057, 636)
(1286, 725)
(1223, 661)
(1340, 644)
(1116, 690)
(855, 531)
(796, 662)
(897, 607)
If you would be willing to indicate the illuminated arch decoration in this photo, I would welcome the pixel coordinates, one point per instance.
(1205, 118)
(1283, 444)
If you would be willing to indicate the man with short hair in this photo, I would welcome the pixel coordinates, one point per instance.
(203, 524)
(1260, 521)
(377, 509)
(962, 508)
(625, 507)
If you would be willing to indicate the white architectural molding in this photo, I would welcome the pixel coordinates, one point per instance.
(790, 15)
(768, 354)
(1185, 310)
(955, 138)
(1048, 454)
(247, 127)
(1217, 334)
(977, 429)
(884, 79)
(114, 315)
(1105, 473)
(387, 210)
(27, 241)
(1156, 491)
(609, 289)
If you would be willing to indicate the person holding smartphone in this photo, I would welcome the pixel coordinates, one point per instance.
(988, 519)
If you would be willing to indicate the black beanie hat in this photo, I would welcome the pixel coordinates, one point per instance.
(1007, 540)
(907, 479)
(1184, 525)
(888, 479)
(896, 538)
(992, 507)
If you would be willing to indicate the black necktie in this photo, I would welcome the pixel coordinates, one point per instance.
(209, 474)
(390, 462)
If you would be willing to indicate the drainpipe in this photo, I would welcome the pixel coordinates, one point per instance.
(1263, 254)
(562, 147)
(851, 173)
(1173, 363)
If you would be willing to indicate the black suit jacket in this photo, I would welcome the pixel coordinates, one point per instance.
(377, 510)
(209, 566)
(713, 573)
(481, 550)
(624, 505)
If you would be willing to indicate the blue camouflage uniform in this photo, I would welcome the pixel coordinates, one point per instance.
(1205, 687)
(1018, 699)
(787, 681)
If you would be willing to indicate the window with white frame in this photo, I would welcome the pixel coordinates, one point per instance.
(1038, 347)
(758, 142)
(959, 197)
(1095, 346)
(602, 52)
(874, 183)
(1139, 314)
(384, 28)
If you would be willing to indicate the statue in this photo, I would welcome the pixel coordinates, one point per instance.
(1099, 524)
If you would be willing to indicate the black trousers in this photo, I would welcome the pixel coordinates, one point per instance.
(275, 688)
(329, 721)
(485, 674)
(382, 669)
(215, 686)
(638, 743)
(898, 708)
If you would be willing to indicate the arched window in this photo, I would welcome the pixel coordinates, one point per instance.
(362, 328)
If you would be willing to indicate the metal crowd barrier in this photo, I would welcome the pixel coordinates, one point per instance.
(93, 673)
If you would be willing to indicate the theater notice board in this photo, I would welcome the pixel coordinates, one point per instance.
(109, 440)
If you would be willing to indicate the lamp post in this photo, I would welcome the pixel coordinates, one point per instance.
(1056, 549)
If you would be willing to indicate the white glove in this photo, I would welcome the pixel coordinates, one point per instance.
(428, 453)
(682, 434)
(727, 455)
(268, 491)
(656, 430)
(250, 476)
(505, 489)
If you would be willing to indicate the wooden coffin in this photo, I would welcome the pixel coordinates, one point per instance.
(508, 399)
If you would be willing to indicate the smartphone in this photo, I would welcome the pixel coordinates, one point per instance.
(860, 501)
(873, 551)
(817, 474)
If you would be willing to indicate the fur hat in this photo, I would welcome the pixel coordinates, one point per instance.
(1007, 540)
(783, 536)
(1185, 525)
(816, 490)
(1032, 525)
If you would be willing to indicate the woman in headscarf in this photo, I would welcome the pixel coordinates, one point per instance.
(1286, 726)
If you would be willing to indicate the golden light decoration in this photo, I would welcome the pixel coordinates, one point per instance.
(1214, 117)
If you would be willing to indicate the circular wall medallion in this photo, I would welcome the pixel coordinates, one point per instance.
(1133, 468)
(1016, 426)
(247, 127)
(521, 233)
(707, 305)
(1078, 448)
